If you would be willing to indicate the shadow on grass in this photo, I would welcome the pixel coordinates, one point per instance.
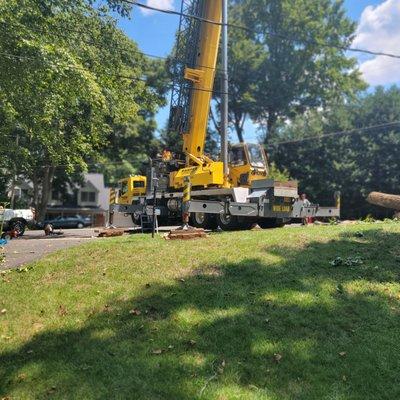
(296, 329)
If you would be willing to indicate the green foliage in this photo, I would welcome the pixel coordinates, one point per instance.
(282, 67)
(72, 83)
(356, 163)
(276, 174)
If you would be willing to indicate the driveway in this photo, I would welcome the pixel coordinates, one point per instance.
(34, 245)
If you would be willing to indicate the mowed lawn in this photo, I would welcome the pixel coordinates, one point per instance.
(271, 314)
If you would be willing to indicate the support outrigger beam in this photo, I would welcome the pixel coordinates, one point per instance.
(186, 232)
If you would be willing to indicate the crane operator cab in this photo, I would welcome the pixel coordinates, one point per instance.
(131, 187)
(247, 163)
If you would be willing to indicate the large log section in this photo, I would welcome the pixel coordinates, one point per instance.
(390, 201)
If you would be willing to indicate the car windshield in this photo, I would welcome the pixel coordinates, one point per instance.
(256, 156)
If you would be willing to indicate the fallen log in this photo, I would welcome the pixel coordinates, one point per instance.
(390, 201)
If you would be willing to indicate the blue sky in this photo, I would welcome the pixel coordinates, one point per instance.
(379, 30)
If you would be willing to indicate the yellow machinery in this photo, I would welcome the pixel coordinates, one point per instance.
(129, 188)
(233, 192)
(193, 107)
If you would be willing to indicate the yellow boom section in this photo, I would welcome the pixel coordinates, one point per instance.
(203, 79)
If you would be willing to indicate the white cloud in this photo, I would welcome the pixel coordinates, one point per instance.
(164, 4)
(379, 30)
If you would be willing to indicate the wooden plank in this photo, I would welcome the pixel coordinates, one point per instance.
(111, 232)
(189, 234)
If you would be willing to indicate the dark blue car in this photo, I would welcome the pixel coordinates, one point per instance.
(75, 221)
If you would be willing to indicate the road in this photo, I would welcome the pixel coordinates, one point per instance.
(34, 245)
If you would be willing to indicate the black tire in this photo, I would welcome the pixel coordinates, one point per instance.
(80, 225)
(136, 219)
(18, 226)
(245, 223)
(228, 222)
(203, 220)
(269, 223)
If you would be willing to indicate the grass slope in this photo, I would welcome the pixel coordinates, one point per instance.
(246, 315)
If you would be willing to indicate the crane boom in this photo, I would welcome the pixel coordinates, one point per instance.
(197, 53)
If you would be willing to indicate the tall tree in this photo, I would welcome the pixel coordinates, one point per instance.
(355, 163)
(289, 59)
(70, 78)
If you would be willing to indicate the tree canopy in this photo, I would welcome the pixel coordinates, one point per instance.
(290, 58)
(72, 83)
(340, 154)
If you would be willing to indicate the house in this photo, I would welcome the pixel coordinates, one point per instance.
(87, 200)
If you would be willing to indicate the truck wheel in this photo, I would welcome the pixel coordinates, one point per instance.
(228, 222)
(245, 223)
(203, 220)
(136, 218)
(268, 223)
(18, 226)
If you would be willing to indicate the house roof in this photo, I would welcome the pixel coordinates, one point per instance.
(96, 180)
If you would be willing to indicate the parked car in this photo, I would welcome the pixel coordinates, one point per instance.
(75, 221)
(16, 220)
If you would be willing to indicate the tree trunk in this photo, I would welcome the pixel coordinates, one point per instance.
(35, 200)
(239, 121)
(271, 123)
(47, 185)
(390, 201)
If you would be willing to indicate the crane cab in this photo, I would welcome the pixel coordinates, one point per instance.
(128, 188)
(247, 163)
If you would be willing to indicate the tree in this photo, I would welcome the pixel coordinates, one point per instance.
(355, 163)
(289, 60)
(71, 79)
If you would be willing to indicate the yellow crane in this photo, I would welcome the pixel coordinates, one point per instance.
(233, 192)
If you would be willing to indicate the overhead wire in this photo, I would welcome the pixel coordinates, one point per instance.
(231, 25)
(337, 133)
(173, 12)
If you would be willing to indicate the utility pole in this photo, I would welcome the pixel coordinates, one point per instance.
(224, 105)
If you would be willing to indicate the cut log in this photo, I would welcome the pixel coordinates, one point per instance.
(390, 201)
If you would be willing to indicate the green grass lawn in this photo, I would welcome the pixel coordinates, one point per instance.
(245, 315)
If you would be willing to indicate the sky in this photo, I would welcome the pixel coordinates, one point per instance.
(378, 30)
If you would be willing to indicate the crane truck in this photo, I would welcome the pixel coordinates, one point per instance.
(233, 193)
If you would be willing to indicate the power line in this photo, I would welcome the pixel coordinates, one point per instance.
(92, 42)
(134, 78)
(347, 132)
(339, 47)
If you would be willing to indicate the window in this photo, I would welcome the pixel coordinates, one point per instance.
(138, 184)
(237, 156)
(88, 197)
(55, 195)
(124, 188)
(256, 156)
